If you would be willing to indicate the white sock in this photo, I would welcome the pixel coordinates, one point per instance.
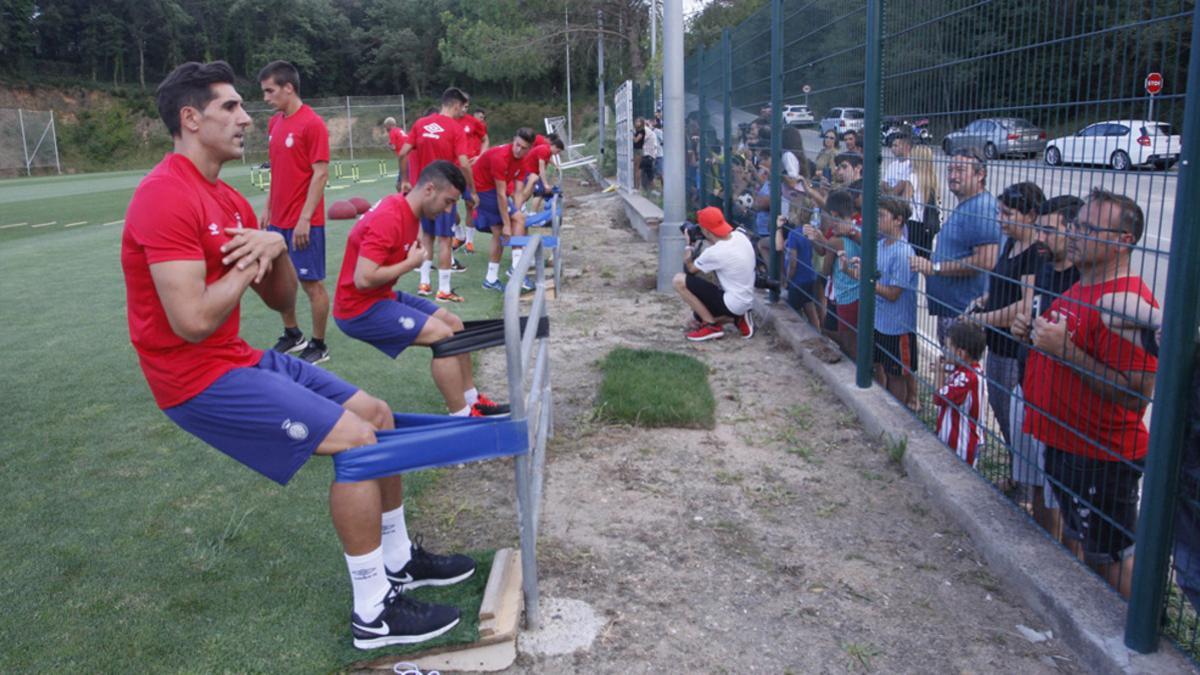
(472, 396)
(369, 582)
(444, 281)
(465, 412)
(493, 273)
(470, 234)
(516, 256)
(425, 269)
(397, 547)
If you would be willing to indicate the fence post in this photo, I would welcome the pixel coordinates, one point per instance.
(1168, 428)
(350, 128)
(702, 157)
(54, 137)
(24, 143)
(727, 113)
(776, 138)
(872, 98)
(403, 113)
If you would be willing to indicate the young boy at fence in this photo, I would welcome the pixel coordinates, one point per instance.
(839, 235)
(804, 289)
(959, 387)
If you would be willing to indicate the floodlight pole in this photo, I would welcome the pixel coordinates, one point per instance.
(567, 35)
(670, 239)
(600, 82)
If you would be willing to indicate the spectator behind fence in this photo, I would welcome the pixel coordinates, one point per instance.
(966, 246)
(639, 140)
(840, 235)
(960, 394)
(847, 171)
(1087, 388)
(927, 217)
(827, 159)
(850, 138)
(803, 287)
(1052, 279)
(1010, 292)
(649, 161)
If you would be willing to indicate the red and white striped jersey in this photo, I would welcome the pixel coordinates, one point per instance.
(960, 402)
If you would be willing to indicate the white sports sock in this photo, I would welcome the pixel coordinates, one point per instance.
(465, 412)
(472, 396)
(493, 273)
(396, 544)
(444, 281)
(470, 234)
(516, 257)
(369, 582)
(425, 269)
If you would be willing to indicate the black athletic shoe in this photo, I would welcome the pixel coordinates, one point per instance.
(289, 344)
(314, 354)
(430, 569)
(403, 621)
(487, 407)
(456, 266)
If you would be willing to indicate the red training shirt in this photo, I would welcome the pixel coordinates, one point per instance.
(383, 235)
(435, 137)
(396, 139)
(475, 131)
(540, 140)
(176, 214)
(295, 144)
(1063, 411)
(497, 163)
(529, 163)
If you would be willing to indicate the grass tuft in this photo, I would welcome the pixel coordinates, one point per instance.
(655, 389)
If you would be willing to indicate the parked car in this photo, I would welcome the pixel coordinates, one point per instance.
(842, 120)
(995, 137)
(893, 127)
(798, 115)
(1120, 144)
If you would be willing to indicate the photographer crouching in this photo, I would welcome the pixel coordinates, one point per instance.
(729, 255)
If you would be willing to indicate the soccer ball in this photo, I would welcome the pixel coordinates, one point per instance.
(745, 201)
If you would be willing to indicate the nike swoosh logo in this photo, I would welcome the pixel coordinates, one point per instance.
(384, 630)
(407, 578)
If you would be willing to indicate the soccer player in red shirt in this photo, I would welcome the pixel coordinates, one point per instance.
(299, 153)
(474, 125)
(534, 176)
(396, 139)
(383, 246)
(1087, 387)
(190, 250)
(497, 173)
(434, 137)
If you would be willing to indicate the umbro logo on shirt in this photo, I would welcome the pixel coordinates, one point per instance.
(214, 230)
(433, 130)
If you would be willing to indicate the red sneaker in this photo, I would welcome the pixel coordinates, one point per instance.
(709, 331)
(745, 324)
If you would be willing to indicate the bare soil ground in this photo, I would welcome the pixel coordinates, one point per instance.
(783, 540)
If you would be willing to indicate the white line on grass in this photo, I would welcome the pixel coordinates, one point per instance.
(115, 222)
(82, 222)
(5, 227)
(53, 222)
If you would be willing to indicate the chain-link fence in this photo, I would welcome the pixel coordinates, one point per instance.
(355, 125)
(980, 202)
(28, 142)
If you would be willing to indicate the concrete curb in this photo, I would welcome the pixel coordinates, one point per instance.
(1080, 608)
(643, 215)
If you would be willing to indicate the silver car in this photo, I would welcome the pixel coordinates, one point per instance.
(842, 120)
(995, 137)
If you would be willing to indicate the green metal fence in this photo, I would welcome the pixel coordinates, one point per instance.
(995, 247)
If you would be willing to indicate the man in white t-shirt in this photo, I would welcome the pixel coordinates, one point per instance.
(730, 256)
(903, 182)
(789, 178)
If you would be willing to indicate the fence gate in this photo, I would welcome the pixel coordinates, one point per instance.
(623, 104)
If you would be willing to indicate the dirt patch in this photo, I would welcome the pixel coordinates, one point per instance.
(783, 540)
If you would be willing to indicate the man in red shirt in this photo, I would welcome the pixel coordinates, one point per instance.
(190, 250)
(383, 246)
(498, 171)
(396, 139)
(534, 176)
(475, 127)
(1086, 390)
(298, 145)
(434, 137)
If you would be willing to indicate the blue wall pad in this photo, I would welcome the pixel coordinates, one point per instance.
(547, 241)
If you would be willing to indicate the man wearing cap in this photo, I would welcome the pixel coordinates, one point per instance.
(729, 255)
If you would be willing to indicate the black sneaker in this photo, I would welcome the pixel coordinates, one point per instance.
(289, 343)
(314, 354)
(456, 266)
(430, 569)
(403, 621)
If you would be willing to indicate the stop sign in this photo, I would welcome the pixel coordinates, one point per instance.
(1154, 83)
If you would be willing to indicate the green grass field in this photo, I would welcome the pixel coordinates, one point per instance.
(655, 389)
(129, 545)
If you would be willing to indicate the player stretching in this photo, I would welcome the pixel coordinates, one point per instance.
(498, 170)
(474, 126)
(434, 137)
(190, 250)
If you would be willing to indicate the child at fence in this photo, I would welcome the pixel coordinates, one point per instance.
(960, 394)
(839, 235)
(803, 285)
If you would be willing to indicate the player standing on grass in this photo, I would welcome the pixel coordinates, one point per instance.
(434, 137)
(299, 152)
(396, 139)
(190, 250)
(474, 125)
(498, 170)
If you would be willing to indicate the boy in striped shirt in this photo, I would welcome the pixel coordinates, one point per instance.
(960, 394)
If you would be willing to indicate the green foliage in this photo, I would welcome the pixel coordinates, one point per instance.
(655, 389)
(101, 133)
(503, 47)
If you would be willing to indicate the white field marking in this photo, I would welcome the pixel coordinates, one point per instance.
(368, 180)
(53, 222)
(115, 222)
(5, 227)
(81, 222)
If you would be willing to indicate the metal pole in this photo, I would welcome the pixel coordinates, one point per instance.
(727, 127)
(670, 240)
(776, 137)
(350, 128)
(567, 32)
(403, 113)
(24, 143)
(653, 32)
(702, 149)
(600, 83)
(870, 211)
(54, 137)
(1169, 426)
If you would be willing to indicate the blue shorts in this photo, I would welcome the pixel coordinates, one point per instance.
(310, 261)
(270, 417)
(487, 215)
(390, 326)
(443, 225)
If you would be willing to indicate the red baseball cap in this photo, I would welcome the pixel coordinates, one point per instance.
(713, 220)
